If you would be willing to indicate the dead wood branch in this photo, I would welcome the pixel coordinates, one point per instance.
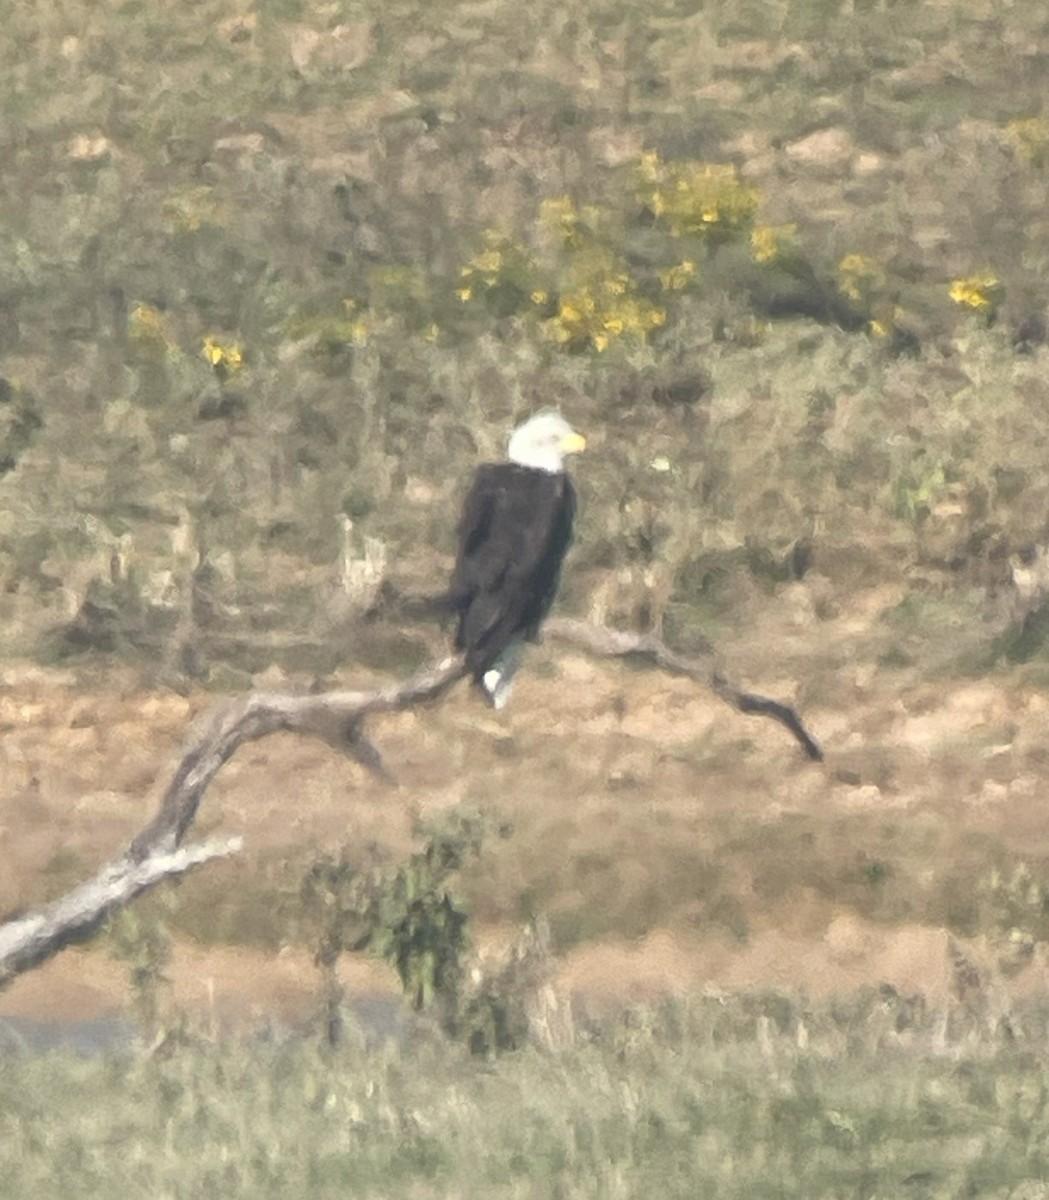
(334, 717)
(30, 940)
(157, 854)
(391, 603)
(615, 643)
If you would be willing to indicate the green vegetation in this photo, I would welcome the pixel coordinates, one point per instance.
(742, 1099)
(410, 917)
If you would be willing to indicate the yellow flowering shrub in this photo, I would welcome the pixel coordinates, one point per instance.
(979, 293)
(226, 358)
(502, 276)
(768, 243)
(708, 199)
(678, 277)
(579, 291)
(599, 315)
(598, 304)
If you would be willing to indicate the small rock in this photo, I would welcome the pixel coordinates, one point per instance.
(828, 148)
(85, 148)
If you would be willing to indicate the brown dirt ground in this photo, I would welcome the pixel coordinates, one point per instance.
(635, 804)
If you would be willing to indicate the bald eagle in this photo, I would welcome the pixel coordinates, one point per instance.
(515, 528)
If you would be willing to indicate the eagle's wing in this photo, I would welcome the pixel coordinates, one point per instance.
(562, 511)
(514, 530)
(480, 561)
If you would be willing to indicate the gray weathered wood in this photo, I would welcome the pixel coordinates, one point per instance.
(29, 940)
(336, 717)
(617, 643)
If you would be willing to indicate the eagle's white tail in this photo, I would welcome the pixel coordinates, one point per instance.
(498, 680)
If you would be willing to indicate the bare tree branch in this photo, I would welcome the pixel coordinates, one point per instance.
(155, 854)
(390, 603)
(615, 643)
(334, 717)
(30, 940)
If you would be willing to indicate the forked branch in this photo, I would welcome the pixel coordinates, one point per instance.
(335, 717)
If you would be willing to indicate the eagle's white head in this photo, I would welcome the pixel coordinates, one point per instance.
(543, 441)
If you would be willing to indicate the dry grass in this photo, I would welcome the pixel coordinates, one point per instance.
(697, 837)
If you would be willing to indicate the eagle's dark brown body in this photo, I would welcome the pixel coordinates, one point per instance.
(515, 528)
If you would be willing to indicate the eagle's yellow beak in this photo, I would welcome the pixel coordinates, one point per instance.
(572, 443)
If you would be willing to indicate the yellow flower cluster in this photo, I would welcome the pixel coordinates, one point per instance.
(599, 312)
(503, 262)
(225, 357)
(860, 277)
(579, 292)
(708, 199)
(148, 330)
(678, 277)
(1029, 137)
(770, 242)
(981, 293)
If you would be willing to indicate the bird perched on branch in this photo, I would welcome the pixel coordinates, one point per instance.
(514, 531)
